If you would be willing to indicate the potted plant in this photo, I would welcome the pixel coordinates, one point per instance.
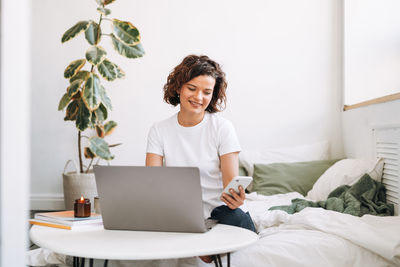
(86, 100)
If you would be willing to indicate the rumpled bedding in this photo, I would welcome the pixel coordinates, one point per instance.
(366, 196)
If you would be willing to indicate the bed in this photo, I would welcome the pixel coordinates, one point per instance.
(315, 236)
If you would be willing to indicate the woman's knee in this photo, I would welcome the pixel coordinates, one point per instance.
(236, 217)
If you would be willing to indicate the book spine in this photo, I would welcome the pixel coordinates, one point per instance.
(50, 225)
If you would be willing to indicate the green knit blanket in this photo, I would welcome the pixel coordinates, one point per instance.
(367, 196)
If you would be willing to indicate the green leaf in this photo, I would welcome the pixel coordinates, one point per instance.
(81, 75)
(120, 72)
(126, 32)
(125, 50)
(109, 127)
(95, 54)
(93, 120)
(104, 2)
(100, 147)
(101, 113)
(72, 111)
(91, 92)
(75, 30)
(64, 101)
(104, 11)
(82, 117)
(93, 33)
(104, 98)
(74, 87)
(107, 70)
(74, 67)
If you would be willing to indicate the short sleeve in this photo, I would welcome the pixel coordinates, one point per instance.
(228, 141)
(154, 142)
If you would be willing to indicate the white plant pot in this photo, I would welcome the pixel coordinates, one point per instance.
(77, 184)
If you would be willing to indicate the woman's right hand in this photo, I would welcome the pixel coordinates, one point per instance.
(236, 200)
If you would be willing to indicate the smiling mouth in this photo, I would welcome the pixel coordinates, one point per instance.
(195, 103)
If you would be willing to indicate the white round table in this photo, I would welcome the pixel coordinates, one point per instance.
(96, 242)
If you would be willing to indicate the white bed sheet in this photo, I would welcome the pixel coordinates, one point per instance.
(312, 237)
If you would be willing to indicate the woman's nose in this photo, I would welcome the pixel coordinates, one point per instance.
(198, 95)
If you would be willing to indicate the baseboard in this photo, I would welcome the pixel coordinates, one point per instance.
(47, 202)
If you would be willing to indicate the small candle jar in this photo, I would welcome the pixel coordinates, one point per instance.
(82, 207)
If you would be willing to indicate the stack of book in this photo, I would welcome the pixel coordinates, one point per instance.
(66, 220)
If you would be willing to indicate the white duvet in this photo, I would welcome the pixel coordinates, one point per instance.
(312, 237)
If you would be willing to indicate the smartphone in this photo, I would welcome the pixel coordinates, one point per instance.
(244, 181)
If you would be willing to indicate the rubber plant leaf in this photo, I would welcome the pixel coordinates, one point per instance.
(81, 75)
(126, 32)
(104, 2)
(74, 87)
(72, 111)
(120, 72)
(125, 50)
(93, 33)
(104, 98)
(100, 148)
(64, 101)
(83, 116)
(95, 54)
(101, 113)
(104, 11)
(107, 70)
(88, 153)
(100, 130)
(109, 127)
(75, 30)
(93, 120)
(91, 92)
(74, 67)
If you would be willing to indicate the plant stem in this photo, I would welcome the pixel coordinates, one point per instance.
(90, 164)
(80, 152)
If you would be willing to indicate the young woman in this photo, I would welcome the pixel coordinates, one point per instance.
(196, 136)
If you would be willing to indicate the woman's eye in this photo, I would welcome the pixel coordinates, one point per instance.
(207, 93)
(191, 89)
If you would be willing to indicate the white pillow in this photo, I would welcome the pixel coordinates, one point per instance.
(309, 152)
(345, 172)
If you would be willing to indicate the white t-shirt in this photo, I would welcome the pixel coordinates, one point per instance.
(198, 146)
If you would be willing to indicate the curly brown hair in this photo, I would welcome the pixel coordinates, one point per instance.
(191, 67)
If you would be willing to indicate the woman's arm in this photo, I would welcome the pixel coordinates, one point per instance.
(230, 169)
(154, 160)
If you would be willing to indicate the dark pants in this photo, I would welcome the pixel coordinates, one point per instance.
(237, 217)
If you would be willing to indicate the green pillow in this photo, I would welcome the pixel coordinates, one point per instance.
(279, 178)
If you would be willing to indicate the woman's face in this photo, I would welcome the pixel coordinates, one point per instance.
(196, 94)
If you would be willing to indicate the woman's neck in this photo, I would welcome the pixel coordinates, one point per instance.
(189, 119)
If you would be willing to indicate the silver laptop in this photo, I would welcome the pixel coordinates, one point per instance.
(150, 198)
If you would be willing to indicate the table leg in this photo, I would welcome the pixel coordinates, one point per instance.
(105, 263)
(229, 259)
(82, 262)
(74, 261)
(91, 263)
(219, 260)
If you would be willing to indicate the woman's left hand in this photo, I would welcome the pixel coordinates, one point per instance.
(236, 200)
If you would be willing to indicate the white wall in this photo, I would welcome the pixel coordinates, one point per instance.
(14, 131)
(282, 59)
(358, 138)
